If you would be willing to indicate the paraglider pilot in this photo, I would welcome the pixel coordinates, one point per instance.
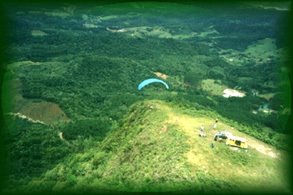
(201, 133)
(215, 124)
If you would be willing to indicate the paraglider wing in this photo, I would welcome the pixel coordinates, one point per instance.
(149, 81)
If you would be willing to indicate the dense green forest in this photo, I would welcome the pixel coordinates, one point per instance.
(72, 73)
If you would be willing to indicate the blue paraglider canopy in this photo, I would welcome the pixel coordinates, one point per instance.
(149, 81)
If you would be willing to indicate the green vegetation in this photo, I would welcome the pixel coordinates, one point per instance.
(73, 110)
(153, 152)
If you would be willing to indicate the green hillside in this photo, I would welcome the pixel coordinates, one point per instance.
(158, 149)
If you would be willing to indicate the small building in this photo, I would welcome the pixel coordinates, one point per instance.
(232, 93)
(265, 109)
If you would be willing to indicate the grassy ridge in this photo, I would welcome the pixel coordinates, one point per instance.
(157, 149)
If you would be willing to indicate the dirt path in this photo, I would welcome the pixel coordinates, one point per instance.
(22, 116)
(60, 134)
(264, 149)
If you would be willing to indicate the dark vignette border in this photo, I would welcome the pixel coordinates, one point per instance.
(26, 3)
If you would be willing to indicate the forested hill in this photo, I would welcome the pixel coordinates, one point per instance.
(200, 53)
(73, 71)
(157, 148)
